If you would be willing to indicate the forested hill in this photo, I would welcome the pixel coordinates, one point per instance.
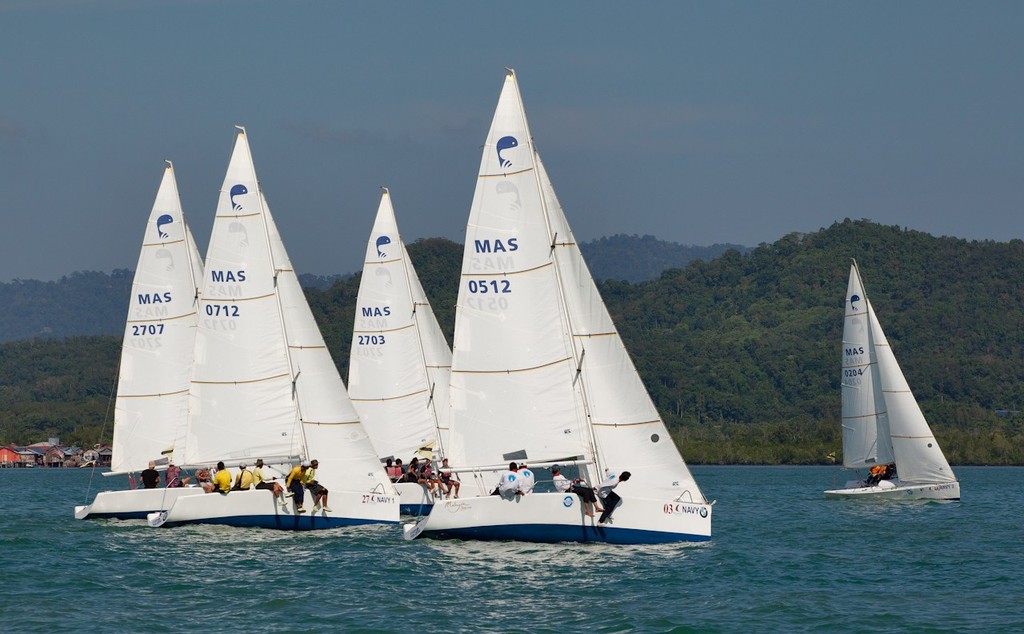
(741, 353)
(31, 308)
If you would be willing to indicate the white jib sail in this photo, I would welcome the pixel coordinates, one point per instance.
(242, 401)
(156, 354)
(865, 420)
(629, 432)
(917, 455)
(400, 364)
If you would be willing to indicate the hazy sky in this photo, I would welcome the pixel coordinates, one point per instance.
(696, 122)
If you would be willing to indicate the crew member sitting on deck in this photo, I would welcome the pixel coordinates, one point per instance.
(222, 479)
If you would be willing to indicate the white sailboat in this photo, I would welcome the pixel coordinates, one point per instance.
(264, 384)
(882, 422)
(400, 364)
(540, 374)
(156, 360)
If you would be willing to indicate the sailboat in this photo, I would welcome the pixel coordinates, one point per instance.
(264, 384)
(400, 364)
(883, 426)
(156, 360)
(540, 375)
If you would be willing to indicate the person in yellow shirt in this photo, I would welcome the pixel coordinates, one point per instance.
(294, 484)
(318, 490)
(260, 481)
(222, 479)
(243, 480)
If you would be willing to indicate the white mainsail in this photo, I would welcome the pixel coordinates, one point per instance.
(865, 419)
(242, 399)
(538, 367)
(627, 428)
(514, 391)
(156, 354)
(400, 364)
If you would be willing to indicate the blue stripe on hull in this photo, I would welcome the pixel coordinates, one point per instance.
(415, 509)
(284, 522)
(550, 533)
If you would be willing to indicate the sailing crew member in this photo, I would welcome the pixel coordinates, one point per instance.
(294, 485)
(243, 480)
(609, 497)
(150, 477)
(260, 482)
(508, 486)
(526, 480)
(222, 479)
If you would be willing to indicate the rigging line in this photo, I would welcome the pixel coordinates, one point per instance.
(103, 430)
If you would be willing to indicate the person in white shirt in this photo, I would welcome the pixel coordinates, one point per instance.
(561, 482)
(526, 480)
(609, 498)
(508, 485)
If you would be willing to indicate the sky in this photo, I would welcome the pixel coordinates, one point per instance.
(695, 122)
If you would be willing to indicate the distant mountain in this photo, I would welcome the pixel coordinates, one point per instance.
(95, 303)
(638, 258)
(83, 303)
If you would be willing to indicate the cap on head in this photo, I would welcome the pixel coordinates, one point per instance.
(152, 464)
(314, 463)
(241, 466)
(259, 462)
(555, 469)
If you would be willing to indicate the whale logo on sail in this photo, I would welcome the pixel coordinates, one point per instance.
(237, 190)
(506, 143)
(381, 241)
(161, 222)
(853, 302)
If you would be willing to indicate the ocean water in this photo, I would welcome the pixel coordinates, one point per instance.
(781, 558)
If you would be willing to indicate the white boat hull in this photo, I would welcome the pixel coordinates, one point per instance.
(415, 498)
(132, 503)
(559, 517)
(258, 508)
(893, 490)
